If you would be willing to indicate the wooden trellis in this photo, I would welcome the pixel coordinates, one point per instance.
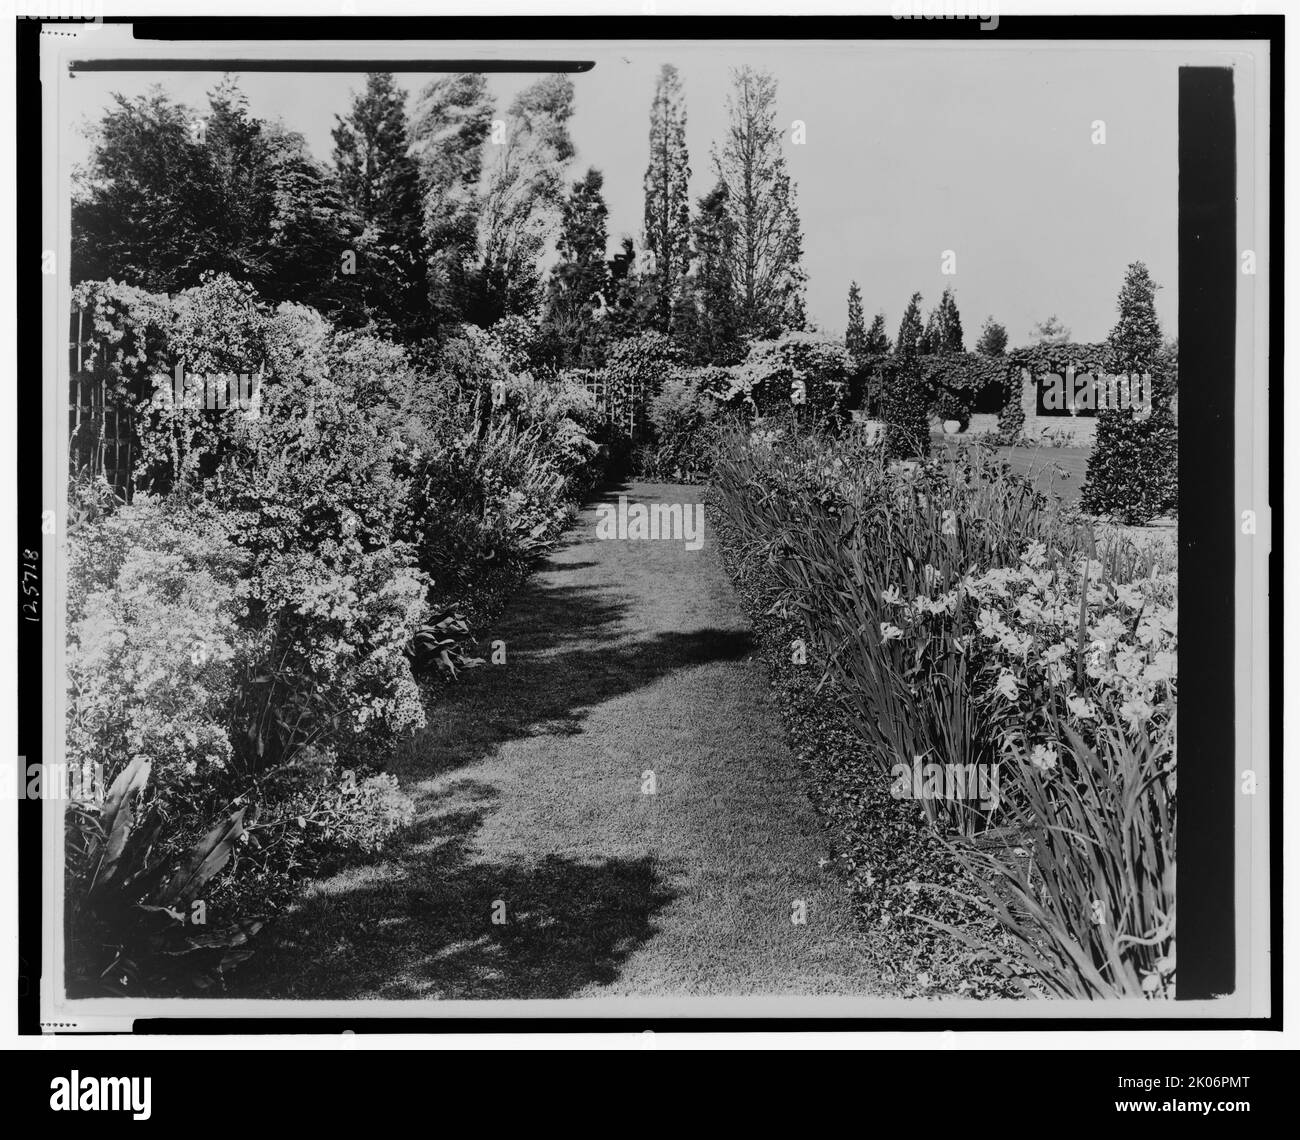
(626, 409)
(101, 433)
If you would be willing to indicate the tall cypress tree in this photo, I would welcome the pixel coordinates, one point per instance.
(1136, 340)
(380, 182)
(710, 334)
(578, 286)
(855, 336)
(877, 339)
(667, 206)
(767, 245)
(943, 332)
(1133, 465)
(993, 339)
(910, 332)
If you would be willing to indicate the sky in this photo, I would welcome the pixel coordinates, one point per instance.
(911, 151)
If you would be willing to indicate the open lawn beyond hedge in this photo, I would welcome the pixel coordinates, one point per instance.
(622, 658)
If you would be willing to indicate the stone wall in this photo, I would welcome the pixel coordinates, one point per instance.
(981, 423)
(1078, 431)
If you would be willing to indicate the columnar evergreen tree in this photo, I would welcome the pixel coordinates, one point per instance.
(375, 173)
(943, 330)
(855, 336)
(910, 332)
(380, 182)
(667, 206)
(954, 339)
(767, 244)
(579, 283)
(993, 339)
(709, 332)
(1133, 465)
(631, 297)
(877, 343)
(905, 403)
(1136, 340)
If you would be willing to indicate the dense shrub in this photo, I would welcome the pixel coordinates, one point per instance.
(162, 659)
(683, 419)
(906, 407)
(635, 370)
(804, 371)
(1133, 466)
(243, 635)
(485, 506)
(154, 648)
(951, 405)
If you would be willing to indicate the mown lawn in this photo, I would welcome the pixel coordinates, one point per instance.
(1056, 470)
(622, 658)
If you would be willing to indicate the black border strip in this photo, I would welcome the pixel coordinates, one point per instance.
(449, 66)
(1207, 531)
(30, 460)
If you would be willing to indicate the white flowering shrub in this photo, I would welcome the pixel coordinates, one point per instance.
(807, 372)
(153, 646)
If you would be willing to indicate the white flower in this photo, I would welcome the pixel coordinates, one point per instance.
(1053, 653)
(1128, 663)
(889, 632)
(891, 595)
(1136, 712)
(1129, 596)
(990, 625)
(1163, 669)
(1035, 556)
(1007, 685)
(1081, 708)
(1109, 628)
(1043, 758)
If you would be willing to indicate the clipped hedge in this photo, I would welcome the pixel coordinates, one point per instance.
(1133, 467)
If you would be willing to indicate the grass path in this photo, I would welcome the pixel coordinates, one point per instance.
(622, 658)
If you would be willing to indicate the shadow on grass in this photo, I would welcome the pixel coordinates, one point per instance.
(567, 651)
(421, 926)
(417, 922)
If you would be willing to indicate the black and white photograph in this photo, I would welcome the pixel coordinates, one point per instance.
(667, 526)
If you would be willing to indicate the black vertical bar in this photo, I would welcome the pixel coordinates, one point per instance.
(28, 463)
(1207, 333)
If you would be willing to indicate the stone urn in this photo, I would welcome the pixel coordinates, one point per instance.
(952, 427)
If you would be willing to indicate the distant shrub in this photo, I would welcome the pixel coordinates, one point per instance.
(906, 406)
(804, 371)
(951, 405)
(683, 419)
(635, 370)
